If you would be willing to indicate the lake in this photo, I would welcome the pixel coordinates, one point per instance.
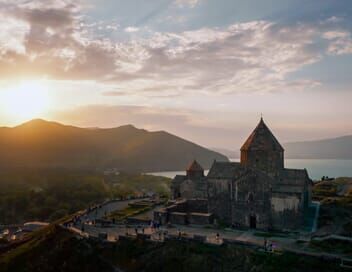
(316, 168)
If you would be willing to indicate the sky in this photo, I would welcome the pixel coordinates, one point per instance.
(205, 70)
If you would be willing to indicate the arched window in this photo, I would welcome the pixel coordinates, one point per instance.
(250, 198)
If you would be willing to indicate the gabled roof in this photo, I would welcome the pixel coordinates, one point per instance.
(194, 167)
(234, 170)
(294, 176)
(178, 179)
(224, 169)
(262, 139)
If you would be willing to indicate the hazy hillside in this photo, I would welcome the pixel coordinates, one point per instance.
(336, 148)
(231, 154)
(39, 143)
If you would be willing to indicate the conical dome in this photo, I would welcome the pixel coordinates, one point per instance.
(262, 139)
(263, 151)
(195, 170)
(195, 166)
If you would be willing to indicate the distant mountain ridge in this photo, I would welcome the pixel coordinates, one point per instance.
(332, 148)
(231, 154)
(42, 144)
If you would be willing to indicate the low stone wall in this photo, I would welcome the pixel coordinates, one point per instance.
(137, 221)
(200, 238)
(240, 243)
(178, 218)
(143, 236)
(200, 218)
(197, 205)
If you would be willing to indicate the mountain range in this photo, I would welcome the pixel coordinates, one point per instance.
(42, 144)
(334, 148)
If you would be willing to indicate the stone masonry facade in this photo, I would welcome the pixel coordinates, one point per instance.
(258, 192)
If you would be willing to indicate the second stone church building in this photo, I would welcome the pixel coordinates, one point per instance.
(258, 192)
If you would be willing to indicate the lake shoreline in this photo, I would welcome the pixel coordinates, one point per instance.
(316, 168)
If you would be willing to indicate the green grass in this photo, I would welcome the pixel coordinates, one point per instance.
(53, 249)
(335, 210)
(333, 246)
(191, 256)
(270, 234)
(128, 212)
(48, 196)
(132, 184)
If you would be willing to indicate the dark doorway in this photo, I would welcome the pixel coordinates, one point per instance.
(252, 222)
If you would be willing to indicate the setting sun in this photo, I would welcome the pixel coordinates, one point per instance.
(25, 100)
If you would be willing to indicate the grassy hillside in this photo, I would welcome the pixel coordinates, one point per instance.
(42, 144)
(56, 250)
(134, 184)
(49, 195)
(336, 206)
(53, 249)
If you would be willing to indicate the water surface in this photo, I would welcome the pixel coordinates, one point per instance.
(316, 168)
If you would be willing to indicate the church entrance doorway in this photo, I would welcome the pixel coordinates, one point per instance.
(253, 222)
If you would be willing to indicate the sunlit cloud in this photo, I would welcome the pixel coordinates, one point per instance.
(131, 29)
(255, 56)
(189, 3)
(131, 61)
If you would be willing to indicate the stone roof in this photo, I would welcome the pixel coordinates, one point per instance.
(230, 170)
(179, 179)
(294, 176)
(202, 214)
(194, 167)
(224, 169)
(279, 188)
(262, 139)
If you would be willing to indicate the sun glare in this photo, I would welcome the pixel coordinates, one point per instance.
(25, 100)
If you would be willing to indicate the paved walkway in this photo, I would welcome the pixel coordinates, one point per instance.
(101, 210)
(316, 216)
(210, 235)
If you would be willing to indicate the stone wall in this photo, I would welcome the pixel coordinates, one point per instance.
(193, 188)
(191, 211)
(287, 211)
(197, 205)
(161, 217)
(219, 198)
(251, 202)
(270, 162)
(200, 219)
(178, 218)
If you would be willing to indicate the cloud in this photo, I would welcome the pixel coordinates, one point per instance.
(254, 56)
(189, 3)
(340, 42)
(114, 93)
(131, 29)
(51, 38)
(12, 35)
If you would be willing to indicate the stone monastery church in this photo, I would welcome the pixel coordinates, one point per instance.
(258, 192)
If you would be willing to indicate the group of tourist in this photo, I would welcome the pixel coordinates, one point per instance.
(268, 246)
